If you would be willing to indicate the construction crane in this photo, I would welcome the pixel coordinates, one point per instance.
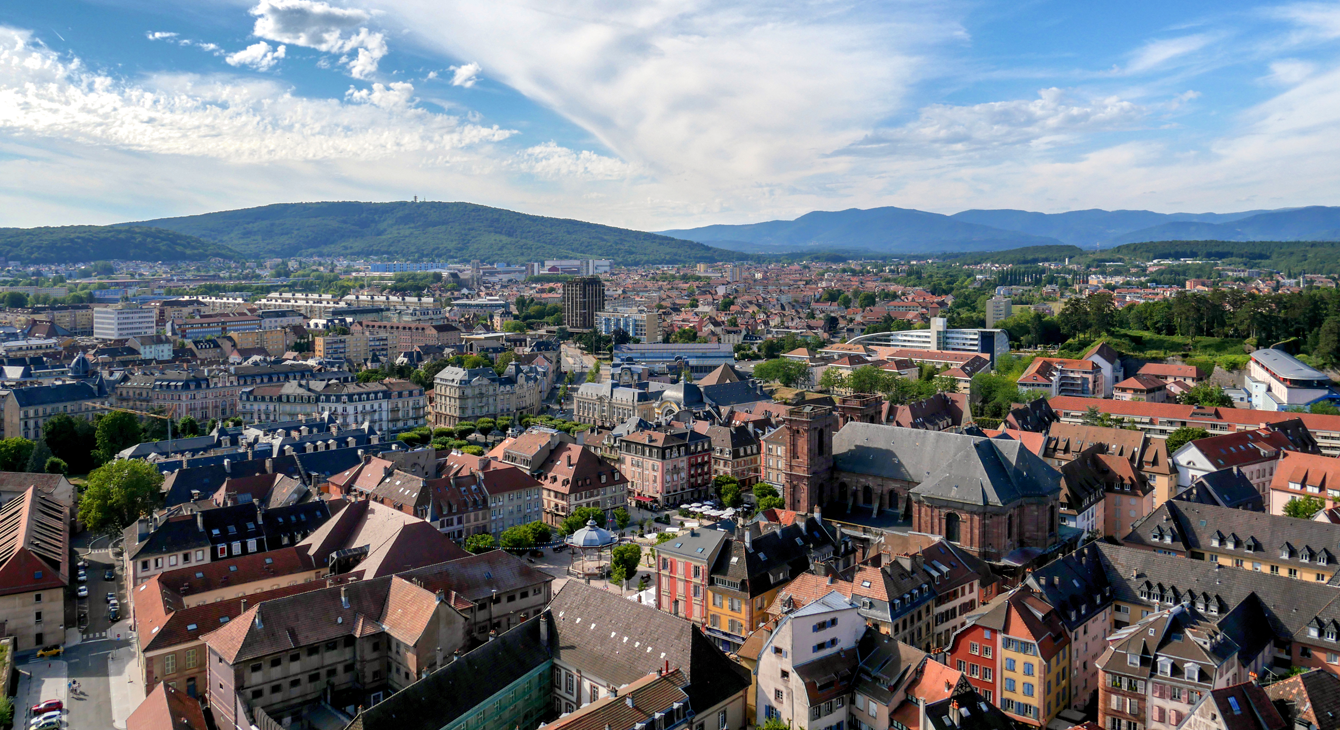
(170, 416)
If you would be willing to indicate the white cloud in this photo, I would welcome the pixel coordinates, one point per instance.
(259, 56)
(396, 95)
(1159, 53)
(159, 35)
(209, 47)
(731, 99)
(240, 121)
(1290, 71)
(323, 27)
(1039, 123)
(466, 75)
(550, 161)
(1313, 22)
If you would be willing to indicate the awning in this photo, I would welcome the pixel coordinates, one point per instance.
(640, 498)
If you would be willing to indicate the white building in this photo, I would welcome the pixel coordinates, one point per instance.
(991, 343)
(122, 322)
(640, 323)
(997, 309)
(1278, 381)
(812, 644)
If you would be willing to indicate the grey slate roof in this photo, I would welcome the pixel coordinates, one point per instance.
(1226, 488)
(441, 697)
(946, 466)
(1182, 525)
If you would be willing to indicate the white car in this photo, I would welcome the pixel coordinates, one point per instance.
(53, 715)
(82, 592)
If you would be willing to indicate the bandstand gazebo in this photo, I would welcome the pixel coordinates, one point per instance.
(590, 551)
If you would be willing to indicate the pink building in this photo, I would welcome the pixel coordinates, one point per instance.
(667, 467)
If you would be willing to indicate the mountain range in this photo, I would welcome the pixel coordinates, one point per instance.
(430, 231)
(905, 231)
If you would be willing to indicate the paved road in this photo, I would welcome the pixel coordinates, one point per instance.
(109, 688)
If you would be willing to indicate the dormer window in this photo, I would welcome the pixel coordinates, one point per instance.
(1165, 667)
(1321, 558)
(1313, 631)
(1193, 673)
(1284, 552)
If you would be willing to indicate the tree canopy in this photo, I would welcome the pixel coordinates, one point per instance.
(118, 494)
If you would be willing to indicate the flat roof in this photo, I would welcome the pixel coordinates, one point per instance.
(1287, 366)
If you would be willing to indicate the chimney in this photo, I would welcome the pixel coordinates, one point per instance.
(344, 596)
(819, 514)
(200, 521)
(228, 466)
(748, 539)
(258, 620)
(628, 700)
(544, 630)
(954, 713)
(244, 605)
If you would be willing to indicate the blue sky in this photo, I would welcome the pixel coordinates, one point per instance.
(665, 114)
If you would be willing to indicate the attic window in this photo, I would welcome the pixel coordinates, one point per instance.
(223, 619)
(269, 560)
(214, 532)
(37, 575)
(865, 584)
(232, 569)
(198, 574)
(190, 627)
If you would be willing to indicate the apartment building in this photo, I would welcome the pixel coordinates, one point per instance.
(123, 321)
(515, 498)
(1017, 652)
(1255, 452)
(807, 668)
(213, 325)
(390, 406)
(570, 476)
(368, 638)
(1054, 376)
(643, 324)
(461, 394)
(28, 409)
(1304, 476)
(684, 569)
(1256, 541)
(1160, 419)
(736, 451)
(405, 336)
(667, 467)
(356, 347)
(35, 565)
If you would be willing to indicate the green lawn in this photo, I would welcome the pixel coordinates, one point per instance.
(1203, 352)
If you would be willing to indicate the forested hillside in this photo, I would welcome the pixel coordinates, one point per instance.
(71, 244)
(431, 232)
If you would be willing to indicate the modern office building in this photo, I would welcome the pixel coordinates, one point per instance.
(699, 358)
(583, 296)
(991, 343)
(1278, 381)
(122, 322)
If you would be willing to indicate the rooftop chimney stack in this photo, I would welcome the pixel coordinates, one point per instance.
(344, 596)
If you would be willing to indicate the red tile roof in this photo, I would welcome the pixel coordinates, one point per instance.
(34, 544)
(167, 709)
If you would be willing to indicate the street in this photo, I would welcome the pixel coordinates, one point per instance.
(99, 654)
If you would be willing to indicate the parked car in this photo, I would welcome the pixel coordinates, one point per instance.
(109, 574)
(114, 612)
(50, 650)
(51, 724)
(46, 706)
(81, 564)
(82, 592)
(111, 597)
(83, 577)
(44, 718)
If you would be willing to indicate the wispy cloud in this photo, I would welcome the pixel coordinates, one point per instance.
(159, 35)
(1158, 54)
(551, 161)
(1051, 119)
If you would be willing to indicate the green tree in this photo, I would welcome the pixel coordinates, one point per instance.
(464, 429)
(517, 538)
(502, 361)
(622, 518)
(37, 461)
(540, 533)
(188, 426)
(789, 373)
(473, 450)
(514, 326)
(14, 453)
(832, 379)
(56, 466)
(624, 560)
(774, 723)
(480, 543)
(15, 300)
(118, 494)
(1304, 509)
(211, 425)
(579, 517)
(1327, 351)
(1207, 395)
(767, 497)
(730, 495)
(116, 431)
(1183, 436)
(665, 537)
(593, 375)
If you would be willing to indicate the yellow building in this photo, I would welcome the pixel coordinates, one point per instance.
(1034, 655)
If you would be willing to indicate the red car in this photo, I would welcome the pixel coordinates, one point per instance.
(47, 706)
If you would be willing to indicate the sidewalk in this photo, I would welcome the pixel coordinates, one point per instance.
(40, 679)
(124, 683)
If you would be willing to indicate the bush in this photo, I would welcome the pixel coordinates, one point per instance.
(56, 466)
